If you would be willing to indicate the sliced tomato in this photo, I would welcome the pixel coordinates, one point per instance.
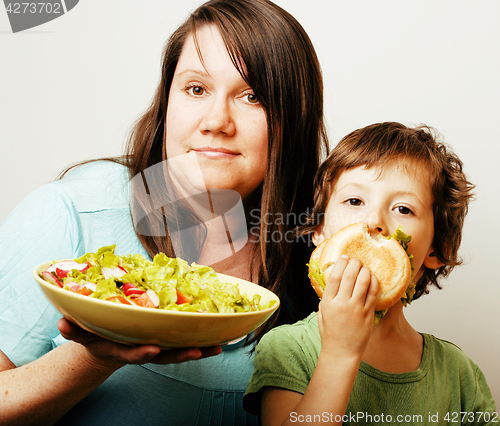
(144, 301)
(80, 290)
(182, 298)
(84, 290)
(120, 299)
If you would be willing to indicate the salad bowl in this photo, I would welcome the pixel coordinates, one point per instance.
(136, 325)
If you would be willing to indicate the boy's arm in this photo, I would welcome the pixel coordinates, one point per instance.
(345, 321)
(326, 397)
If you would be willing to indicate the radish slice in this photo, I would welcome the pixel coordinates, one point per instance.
(154, 297)
(117, 272)
(131, 290)
(73, 286)
(62, 268)
(90, 286)
(47, 276)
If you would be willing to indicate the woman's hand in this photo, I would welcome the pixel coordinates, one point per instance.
(346, 311)
(106, 352)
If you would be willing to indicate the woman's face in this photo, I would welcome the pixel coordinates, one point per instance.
(213, 113)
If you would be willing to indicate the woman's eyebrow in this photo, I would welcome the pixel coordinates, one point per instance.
(192, 71)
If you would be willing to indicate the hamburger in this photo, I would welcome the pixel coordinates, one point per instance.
(387, 258)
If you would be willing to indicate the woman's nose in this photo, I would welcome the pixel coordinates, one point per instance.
(218, 119)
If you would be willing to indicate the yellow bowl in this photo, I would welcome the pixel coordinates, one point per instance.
(135, 325)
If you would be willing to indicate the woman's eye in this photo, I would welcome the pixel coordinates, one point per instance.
(252, 99)
(354, 202)
(403, 210)
(196, 90)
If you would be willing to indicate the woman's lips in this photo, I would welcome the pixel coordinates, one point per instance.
(212, 152)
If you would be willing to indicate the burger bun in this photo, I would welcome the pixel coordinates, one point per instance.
(386, 258)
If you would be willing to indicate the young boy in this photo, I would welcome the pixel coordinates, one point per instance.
(335, 366)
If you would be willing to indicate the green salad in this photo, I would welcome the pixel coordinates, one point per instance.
(164, 283)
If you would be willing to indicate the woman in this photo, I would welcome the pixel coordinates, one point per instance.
(241, 92)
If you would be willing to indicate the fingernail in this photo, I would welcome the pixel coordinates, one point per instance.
(192, 357)
(344, 256)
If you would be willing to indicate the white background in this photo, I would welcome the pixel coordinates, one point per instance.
(71, 88)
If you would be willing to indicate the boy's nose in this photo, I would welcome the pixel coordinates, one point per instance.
(377, 225)
(218, 119)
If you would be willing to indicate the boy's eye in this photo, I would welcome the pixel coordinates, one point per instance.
(354, 202)
(403, 210)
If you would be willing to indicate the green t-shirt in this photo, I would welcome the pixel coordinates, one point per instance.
(447, 388)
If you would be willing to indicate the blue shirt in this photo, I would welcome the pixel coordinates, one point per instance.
(64, 219)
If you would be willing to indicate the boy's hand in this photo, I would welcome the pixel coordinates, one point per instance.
(345, 320)
(346, 311)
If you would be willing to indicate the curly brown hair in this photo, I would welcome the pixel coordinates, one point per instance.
(377, 144)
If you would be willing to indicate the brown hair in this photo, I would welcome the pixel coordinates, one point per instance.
(374, 146)
(274, 55)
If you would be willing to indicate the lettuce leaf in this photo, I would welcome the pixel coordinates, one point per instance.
(404, 240)
(166, 277)
(316, 273)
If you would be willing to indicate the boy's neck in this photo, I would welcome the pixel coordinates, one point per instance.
(394, 346)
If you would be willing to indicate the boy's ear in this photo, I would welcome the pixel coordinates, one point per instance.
(318, 237)
(431, 261)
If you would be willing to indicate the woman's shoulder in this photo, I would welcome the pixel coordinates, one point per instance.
(96, 173)
(94, 187)
(97, 185)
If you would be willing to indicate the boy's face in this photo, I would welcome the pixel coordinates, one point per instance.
(398, 196)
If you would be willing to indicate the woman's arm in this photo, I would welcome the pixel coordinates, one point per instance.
(42, 391)
(345, 320)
